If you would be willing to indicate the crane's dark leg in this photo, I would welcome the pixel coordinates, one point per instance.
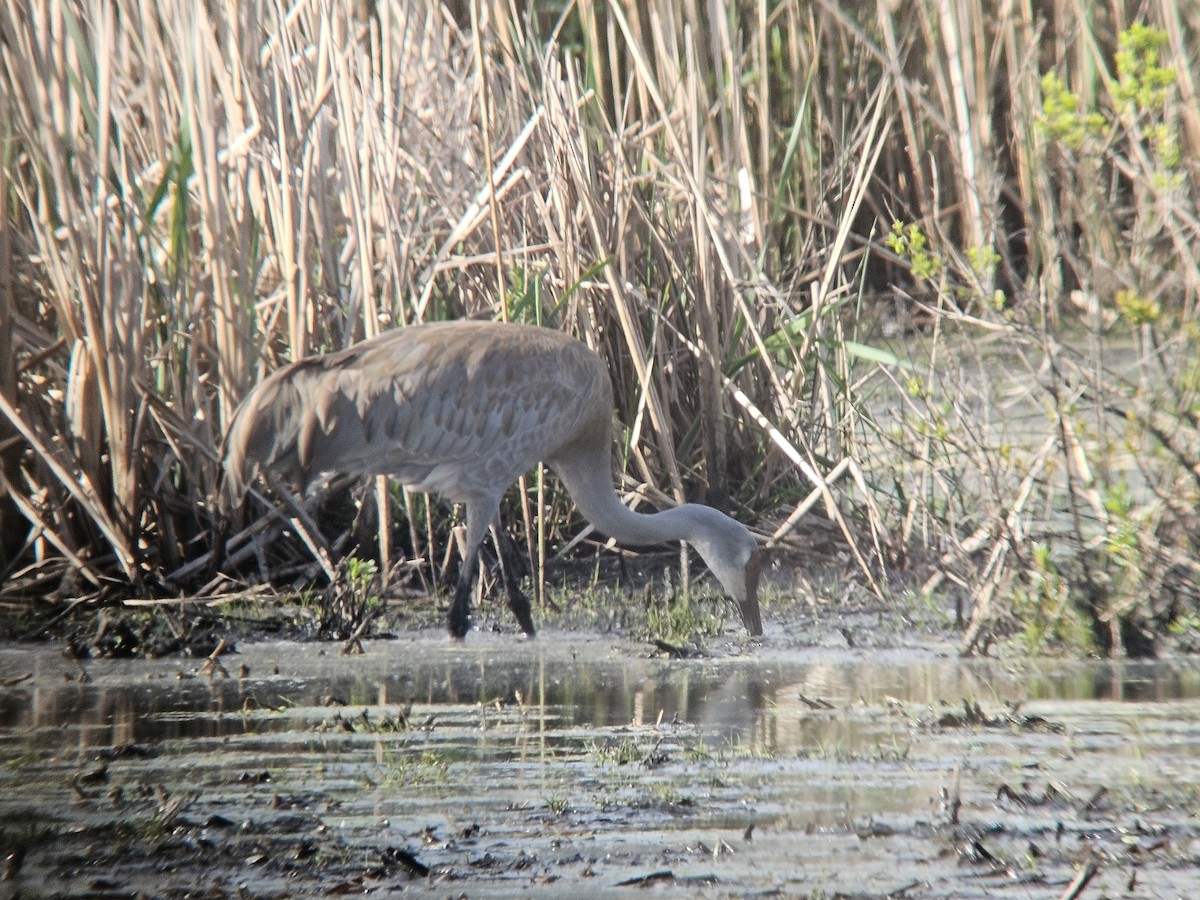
(481, 513)
(518, 602)
(479, 517)
(459, 621)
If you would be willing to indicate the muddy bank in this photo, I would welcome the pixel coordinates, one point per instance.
(580, 762)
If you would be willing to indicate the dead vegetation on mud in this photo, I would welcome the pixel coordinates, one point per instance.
(583, 764)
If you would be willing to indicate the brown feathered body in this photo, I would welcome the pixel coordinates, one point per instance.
(462, 409)
(454, 408)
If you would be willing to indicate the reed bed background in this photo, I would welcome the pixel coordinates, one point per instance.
(808, 238)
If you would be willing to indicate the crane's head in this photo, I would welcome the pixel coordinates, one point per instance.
(733, 555)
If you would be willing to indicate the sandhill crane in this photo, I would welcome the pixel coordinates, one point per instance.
(463, 409)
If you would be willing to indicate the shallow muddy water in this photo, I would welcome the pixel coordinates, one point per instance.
(577, 763)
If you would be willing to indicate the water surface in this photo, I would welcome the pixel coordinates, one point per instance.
(576, 761)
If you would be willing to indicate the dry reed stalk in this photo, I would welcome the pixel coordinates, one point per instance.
(10, 511)
(904, 95)
(1028, 145)
(962, 35)
(1176, 27)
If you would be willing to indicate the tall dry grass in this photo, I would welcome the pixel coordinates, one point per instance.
(704, 192)
(202, 194)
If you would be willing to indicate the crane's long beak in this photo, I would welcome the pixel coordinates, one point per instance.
(751, 616)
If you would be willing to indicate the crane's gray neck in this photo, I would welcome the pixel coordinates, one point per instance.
(592, 490)
(727, 546)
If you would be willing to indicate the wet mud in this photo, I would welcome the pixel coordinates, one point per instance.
(580, 764)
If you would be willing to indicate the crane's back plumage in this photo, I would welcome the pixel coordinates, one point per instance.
(457, 408)
(462, 409)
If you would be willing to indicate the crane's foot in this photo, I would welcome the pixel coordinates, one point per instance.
(458, 627)
(522, 609)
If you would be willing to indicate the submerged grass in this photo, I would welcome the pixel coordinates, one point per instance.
(741, 207)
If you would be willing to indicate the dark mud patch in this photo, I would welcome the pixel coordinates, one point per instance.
(577, 764)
